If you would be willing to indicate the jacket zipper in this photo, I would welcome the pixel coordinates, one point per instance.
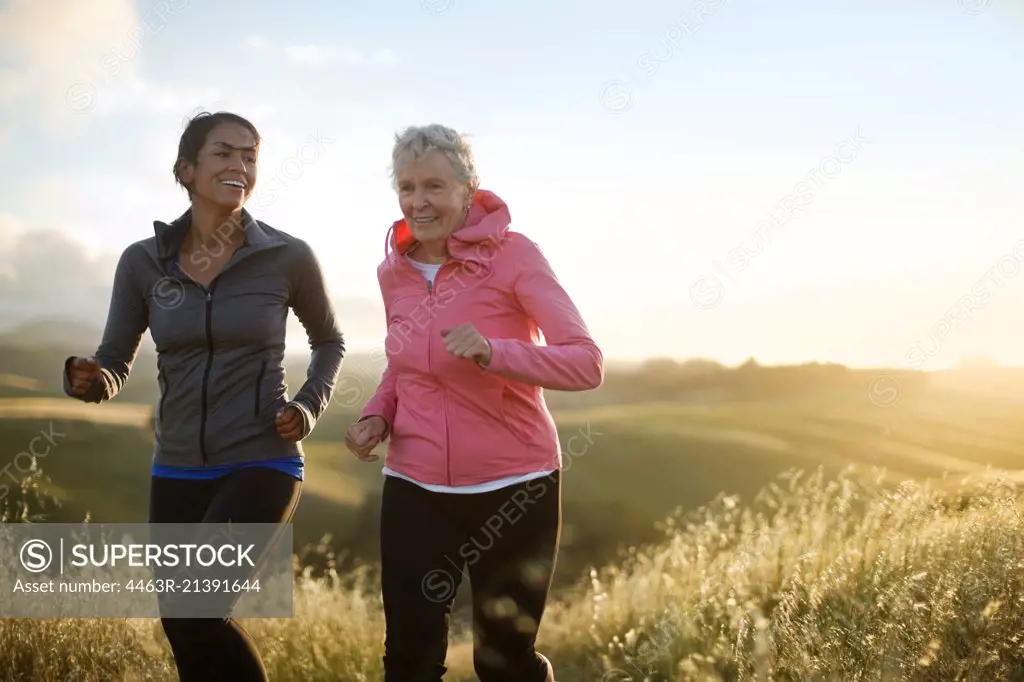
(209, 366)
(431, 290)
(259, 382)
(163, 395)
(209, 340)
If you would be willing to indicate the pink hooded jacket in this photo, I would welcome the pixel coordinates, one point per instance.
(450, 421)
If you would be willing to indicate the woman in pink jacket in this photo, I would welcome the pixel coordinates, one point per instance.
(472, 478)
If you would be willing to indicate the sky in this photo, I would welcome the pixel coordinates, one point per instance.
(798, 181)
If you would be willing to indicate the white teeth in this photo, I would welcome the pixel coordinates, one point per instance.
(233, 183)
(424, 220)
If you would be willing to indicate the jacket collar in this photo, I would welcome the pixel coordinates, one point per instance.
(169, 236)
(486, 225)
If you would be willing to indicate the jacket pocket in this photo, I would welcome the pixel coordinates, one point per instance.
(515, 417)
(164, 390)
(257, 389)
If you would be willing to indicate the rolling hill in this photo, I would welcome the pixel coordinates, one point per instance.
(642, 456)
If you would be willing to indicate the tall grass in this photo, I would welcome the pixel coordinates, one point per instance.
(816, 579)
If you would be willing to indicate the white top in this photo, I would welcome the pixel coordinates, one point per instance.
(429, 271)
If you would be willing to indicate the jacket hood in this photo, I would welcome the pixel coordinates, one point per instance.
(485, 228)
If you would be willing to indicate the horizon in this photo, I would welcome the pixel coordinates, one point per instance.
(820, 180)
(295, 351)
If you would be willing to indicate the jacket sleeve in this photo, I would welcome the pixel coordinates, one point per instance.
(127, 321)
(384, 401)
(570, 361)
(312, 304)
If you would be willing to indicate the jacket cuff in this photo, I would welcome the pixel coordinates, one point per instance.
(387, 424)
(93, 394)
(499, 362)
(308, 422)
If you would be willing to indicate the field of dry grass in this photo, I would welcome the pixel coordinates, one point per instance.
(65, 409)
(910, 574)
(816, 579)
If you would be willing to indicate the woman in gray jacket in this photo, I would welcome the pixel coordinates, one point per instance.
(214, 288)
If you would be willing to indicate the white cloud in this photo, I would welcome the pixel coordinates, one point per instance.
(69, 58)
(132, 93)
(7, 134)
(256, 42)
(56, 33)
(318, 56)
(52, 43)
(10, 228)
(65, 269)
(325, 55)
(46, 273)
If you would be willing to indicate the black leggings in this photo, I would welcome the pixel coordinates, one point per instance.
(505, 540)
(219, 648)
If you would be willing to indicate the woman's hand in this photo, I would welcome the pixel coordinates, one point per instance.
(364, 435)
(289, 423)
(465, 341)
(82, 373)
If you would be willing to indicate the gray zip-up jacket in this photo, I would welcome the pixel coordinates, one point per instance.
(221, 350)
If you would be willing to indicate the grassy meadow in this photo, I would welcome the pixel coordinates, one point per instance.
(720, 524)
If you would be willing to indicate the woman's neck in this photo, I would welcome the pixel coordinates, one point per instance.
(214, 228)
(432, 254)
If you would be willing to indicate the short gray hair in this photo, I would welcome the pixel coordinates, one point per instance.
(418, 140)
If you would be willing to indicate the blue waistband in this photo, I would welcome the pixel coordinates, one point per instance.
(289, 465)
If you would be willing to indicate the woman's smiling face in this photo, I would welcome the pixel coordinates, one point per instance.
(432, 199)
(224, 172)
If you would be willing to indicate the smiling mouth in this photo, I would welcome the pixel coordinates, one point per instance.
(233, 183)
(423, 221)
